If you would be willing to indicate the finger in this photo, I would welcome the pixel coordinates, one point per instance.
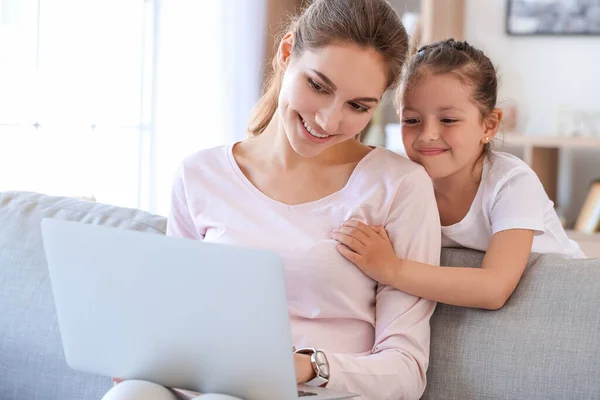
(380, 231)
(349, 241)
(355, 233)
(349, 254)
(356, 224)
(383, 234)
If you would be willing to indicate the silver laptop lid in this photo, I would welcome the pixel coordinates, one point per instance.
(122, 297)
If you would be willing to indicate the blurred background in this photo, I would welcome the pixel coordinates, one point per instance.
(103, 99)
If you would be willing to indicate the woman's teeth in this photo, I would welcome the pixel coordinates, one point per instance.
(313, 132)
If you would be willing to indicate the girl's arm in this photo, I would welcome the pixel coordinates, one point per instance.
(487, 287)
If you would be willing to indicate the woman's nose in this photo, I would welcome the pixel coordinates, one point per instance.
(329, 118)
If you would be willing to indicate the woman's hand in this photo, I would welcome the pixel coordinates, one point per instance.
(304, 369)
(369, 248)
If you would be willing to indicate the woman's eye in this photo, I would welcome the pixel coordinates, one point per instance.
(315, 86)
(358, 107)
(449, 120)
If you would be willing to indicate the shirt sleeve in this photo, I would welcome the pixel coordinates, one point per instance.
(519, 203)
(180, 222)
(396, 366)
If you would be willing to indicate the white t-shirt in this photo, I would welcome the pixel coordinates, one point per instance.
(510, 196)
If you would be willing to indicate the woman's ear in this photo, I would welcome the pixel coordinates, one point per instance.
(284, 51)
(492, 124)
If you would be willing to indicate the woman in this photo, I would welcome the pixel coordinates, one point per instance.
(300, 174)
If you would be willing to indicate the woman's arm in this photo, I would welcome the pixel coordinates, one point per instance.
(395, 368)
(180, 222)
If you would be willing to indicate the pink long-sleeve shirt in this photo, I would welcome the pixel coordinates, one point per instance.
(376, 338)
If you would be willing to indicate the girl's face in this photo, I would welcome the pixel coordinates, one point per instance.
(442, 128)
(328, 95)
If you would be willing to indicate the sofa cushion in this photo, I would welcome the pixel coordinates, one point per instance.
(543, 344)
(32, 364)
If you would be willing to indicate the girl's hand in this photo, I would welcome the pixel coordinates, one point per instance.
(369, 248)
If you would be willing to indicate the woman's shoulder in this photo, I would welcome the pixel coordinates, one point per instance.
(207, 159)
(387, 175)
(386, 163)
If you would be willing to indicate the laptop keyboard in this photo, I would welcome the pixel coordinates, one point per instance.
(302, 393)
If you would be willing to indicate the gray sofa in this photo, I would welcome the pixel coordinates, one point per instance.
(544, 344)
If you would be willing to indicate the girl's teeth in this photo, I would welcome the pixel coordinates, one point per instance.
(313, 132)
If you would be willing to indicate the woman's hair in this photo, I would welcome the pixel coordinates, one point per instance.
(369, 24)
(467, 63)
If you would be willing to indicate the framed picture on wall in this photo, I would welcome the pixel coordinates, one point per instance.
(553, 17)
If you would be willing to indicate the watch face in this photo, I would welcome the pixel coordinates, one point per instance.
(323, 364)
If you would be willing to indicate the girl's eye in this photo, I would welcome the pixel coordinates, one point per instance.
(315, 86)
(449, 120)
(358, 107)
(410, 121)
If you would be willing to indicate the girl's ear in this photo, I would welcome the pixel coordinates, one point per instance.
(284, 51)
(491, 125)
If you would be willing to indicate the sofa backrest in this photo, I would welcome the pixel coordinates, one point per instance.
(32, 364)
(543, 344)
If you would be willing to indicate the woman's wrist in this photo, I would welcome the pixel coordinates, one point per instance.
(312, 374)
(304, 368)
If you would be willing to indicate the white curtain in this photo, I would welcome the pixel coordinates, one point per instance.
(208, 78)
(70, 103)
(105, 98)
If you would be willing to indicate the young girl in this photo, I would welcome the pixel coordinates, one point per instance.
(488, 201)
(301, 174)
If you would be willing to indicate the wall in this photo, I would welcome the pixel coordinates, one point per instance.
(541, 75)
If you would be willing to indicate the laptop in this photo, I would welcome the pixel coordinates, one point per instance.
(187, 314)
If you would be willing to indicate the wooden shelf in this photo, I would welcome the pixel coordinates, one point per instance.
(514, 139)
(541, 153)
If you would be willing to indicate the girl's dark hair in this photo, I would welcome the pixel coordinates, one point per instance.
(370, 24)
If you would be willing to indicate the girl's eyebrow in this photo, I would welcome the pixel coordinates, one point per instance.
(408, 109)
(450, 109)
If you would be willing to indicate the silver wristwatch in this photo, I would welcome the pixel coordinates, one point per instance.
(320, 366)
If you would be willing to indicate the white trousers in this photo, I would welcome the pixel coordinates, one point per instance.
(141, 390)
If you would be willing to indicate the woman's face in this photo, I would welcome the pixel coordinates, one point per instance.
(328, 95)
